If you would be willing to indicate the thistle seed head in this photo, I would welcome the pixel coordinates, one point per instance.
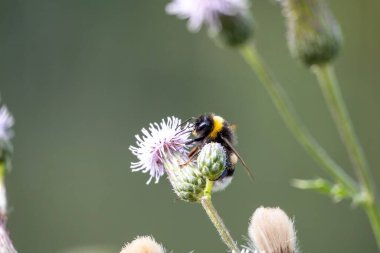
(272, 231)
(143, 244)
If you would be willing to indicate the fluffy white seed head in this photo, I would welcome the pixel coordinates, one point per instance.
(143, 244)
(272, 231)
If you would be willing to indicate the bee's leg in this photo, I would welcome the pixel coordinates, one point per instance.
(195, 140)
(193, 153)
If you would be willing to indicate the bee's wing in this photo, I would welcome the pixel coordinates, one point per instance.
(247, 169)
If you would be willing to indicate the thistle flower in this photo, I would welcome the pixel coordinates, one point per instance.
(212, 161)
(164, 149)
(6, 123)
(314, 36)
(6, 134)
(158, 143)
(143, 244)
(228, 18)
(272, 231)
(187, 181)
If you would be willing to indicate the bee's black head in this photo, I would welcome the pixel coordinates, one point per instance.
(203, 126)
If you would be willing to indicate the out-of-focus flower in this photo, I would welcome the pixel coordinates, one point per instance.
(314, 36)
(271, 231)
(158, 143)
(248, 250)
(143, 244)
(3, 197)
(228, 18)
(6, 123)
(6, 134)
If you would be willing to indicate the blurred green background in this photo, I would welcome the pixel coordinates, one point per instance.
(83, 77)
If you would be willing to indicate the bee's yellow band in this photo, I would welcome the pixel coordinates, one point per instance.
(218, 125)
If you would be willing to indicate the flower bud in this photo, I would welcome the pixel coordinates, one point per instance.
(187, 181)
(235, 30)
(314, 36)
(212, 161)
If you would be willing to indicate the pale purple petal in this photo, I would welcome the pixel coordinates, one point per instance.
(6, 123)
(207, 12)
(156, 142)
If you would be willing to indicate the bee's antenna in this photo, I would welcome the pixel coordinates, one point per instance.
(186, 121)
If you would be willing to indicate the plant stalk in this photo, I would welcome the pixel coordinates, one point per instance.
(373, 214)
(218, 223)
(330, 88)
(333, 96)
(285, 108)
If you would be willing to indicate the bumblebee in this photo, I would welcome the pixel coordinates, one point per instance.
(213, 128)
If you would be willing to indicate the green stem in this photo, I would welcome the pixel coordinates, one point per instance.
(373, 214)
(288, 114)
(218, 223)
(330, 88)
(333, 96)
(208, 188)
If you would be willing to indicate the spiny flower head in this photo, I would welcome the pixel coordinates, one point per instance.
(211, 161)
(6, 123)
(187, 181)
(157, 143)
(227, 18)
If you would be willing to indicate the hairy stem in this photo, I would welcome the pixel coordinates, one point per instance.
(285, 108)
(218, 223)
(333, 96)
(334, 99)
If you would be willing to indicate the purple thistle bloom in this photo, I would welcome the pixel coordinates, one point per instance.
(6, 123)
(206, 11)
(158, 143)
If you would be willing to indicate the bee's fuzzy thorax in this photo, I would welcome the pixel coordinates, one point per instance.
(217, 125)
